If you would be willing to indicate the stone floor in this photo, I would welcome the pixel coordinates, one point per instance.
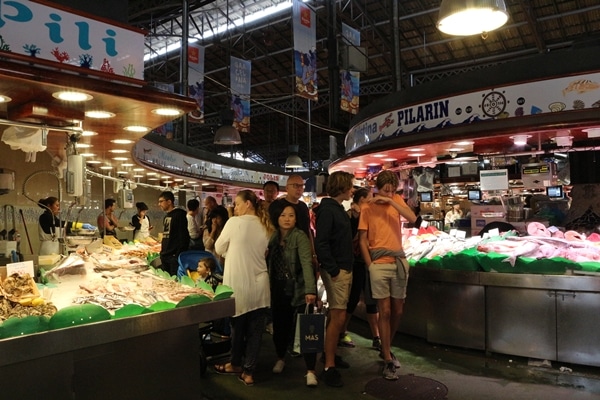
(459, 374)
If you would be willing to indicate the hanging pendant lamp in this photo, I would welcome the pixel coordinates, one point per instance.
(471, 17)
(293, 160)
(227, 134)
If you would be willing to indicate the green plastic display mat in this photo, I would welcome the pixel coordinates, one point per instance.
(465, 260)
(495, 262)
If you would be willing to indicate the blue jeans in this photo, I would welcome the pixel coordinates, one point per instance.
(246, 338)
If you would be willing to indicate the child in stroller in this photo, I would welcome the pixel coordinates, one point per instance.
(214, 335)
(207, 272)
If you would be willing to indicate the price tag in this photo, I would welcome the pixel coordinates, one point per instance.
(461, 234)
(494, 232)
(553, 229)
(21, 268)
(107, 249)
(415, 231)
(453, 232)
(424, 224)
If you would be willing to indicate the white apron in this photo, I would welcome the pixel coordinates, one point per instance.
(48, 242)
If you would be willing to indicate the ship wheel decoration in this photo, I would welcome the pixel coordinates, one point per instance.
(493, 104)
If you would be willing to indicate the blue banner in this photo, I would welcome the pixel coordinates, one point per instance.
(240, 76)
(305, 50)
(196, 81)
(350, 80)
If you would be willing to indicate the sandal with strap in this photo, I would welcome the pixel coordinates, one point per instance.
(226, 369)
(246, 379)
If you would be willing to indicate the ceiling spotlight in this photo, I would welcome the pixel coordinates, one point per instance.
(121, 141)
(4, 99)
(520, 140)
(70, 95)
(592, 132)
(136, 128)
(471, 17)
(170, 112)
(99, 114)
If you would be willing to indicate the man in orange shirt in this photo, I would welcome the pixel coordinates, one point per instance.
(380, 241)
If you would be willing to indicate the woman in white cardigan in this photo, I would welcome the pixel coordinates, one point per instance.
(243, 243)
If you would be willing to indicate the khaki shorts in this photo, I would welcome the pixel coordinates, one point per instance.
(338, 291)
(387, 281)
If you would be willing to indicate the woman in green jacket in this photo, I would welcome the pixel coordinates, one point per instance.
(293, 283)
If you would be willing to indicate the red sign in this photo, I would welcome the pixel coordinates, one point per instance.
(305, 16)
(193, 55)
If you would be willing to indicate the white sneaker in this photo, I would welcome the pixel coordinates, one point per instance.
(311, 379)
(278, 368)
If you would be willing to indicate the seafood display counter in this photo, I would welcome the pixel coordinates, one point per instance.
(549, 317)
(150, 356)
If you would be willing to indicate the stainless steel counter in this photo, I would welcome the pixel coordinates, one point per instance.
(150, 356)
(553, 317)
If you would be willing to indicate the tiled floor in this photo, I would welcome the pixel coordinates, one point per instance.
(466, 374)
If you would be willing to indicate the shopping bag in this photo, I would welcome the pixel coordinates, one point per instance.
(310, 329)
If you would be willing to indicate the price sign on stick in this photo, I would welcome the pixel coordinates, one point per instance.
(20, 268)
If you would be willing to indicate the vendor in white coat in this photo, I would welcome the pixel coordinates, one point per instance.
(141, 222)
(454, 214)
(51, 227)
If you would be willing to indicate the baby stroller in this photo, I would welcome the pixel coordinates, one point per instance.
(214, 335)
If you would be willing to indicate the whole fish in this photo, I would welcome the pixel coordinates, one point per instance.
(527, 249)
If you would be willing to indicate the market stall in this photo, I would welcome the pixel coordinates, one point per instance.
(118, 329)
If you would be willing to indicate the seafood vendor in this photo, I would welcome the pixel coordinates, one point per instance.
(51, 227)
(108, 221)
(141, 222)
(454, 214)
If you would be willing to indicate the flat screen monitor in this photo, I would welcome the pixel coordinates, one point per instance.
(426, 197)
(554, 192)
(474, 195)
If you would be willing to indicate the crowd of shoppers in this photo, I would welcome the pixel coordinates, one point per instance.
(273, 256)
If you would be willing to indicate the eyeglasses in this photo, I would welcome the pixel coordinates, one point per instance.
(296, 185)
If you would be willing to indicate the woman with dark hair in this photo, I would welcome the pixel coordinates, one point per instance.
(293, 284)
(141, 222)
(244, 242)
(217, 217)
(51, 227)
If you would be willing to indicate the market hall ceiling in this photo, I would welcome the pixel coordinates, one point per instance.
(424, 54)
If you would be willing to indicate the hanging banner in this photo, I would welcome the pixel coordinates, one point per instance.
(240, 73)
(350, 80)
(305, 50)
(196, 81)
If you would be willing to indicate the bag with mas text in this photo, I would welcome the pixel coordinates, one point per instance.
(310, 332)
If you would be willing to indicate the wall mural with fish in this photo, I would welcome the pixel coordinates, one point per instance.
(574, 92)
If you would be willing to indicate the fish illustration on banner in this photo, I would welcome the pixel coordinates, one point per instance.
(305, 50)
(196, 81)
(350, 80)
(240, 75)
